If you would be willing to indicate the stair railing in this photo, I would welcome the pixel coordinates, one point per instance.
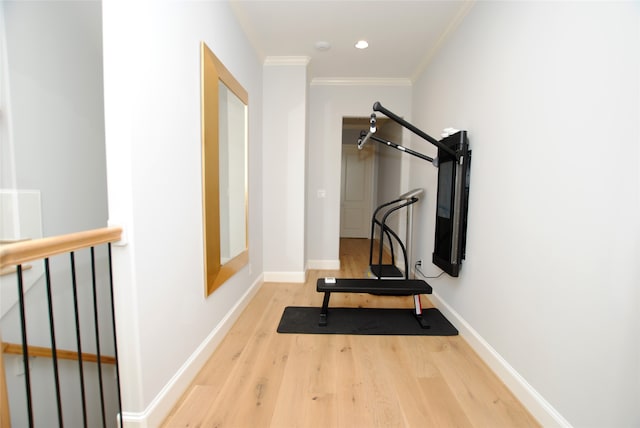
(14, 256)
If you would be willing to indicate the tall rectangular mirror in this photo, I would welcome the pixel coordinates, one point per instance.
(224, 171)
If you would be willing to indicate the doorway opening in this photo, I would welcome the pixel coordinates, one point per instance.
(368, 177)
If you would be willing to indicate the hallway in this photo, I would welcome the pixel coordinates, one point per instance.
(259, 378)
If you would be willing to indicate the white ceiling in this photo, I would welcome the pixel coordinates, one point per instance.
(402, 35)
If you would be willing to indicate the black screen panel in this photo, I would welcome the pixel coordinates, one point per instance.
(452, 199)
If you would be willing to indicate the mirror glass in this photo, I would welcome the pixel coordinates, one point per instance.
(224, 171)
(232, 150)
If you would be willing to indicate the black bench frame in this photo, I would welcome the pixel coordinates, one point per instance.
(399, 287)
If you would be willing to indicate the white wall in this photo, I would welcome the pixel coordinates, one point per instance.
(167, 327)
(285, 139)
(550, 95)
(329, 103)
(53, 106)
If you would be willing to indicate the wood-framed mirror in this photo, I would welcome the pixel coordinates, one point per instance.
(224, 171)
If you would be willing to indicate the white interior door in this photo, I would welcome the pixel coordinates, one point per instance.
(356, 191)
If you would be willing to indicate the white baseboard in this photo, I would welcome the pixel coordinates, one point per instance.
(540, 408)
(285, 277)
(324, 264)
(162, 404)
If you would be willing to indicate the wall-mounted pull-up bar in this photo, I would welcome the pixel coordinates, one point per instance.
(378, 107)
(365, 136)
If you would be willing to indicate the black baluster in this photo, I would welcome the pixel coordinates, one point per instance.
(78, 337)
(97, 332)
(54, 352)
(25, 349)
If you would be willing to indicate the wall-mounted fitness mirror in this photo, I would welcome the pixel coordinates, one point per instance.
(224, 171)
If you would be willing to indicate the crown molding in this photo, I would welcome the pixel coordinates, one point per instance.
(361, 81)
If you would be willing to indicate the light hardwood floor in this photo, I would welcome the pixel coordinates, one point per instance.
(259, 378)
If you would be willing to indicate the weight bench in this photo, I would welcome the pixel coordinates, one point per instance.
(396, 287)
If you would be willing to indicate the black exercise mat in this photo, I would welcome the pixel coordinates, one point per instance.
(365, 321)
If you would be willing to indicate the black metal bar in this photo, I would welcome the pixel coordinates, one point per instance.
(97, 332)
(115, 342)
(74, 286)
(402, 149)
(373, 228)
(54, 352)
(378, 107)
(374, 221)
(25, 348)
(389, 230)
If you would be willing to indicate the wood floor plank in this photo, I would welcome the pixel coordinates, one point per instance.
(259, 378)
(443, 408)
(216, 372)
(308, 394)
(248, 395)
(191, 411)
(380, 398)
(353, 406)
(405, 384)
(486, 400)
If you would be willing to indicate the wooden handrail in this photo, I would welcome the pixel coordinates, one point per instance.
(39, 351)
(21, 252)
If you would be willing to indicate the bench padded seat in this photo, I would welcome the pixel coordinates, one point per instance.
(395, 287)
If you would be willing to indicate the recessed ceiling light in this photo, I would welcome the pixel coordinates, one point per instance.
(323, 46)
(362, 44)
